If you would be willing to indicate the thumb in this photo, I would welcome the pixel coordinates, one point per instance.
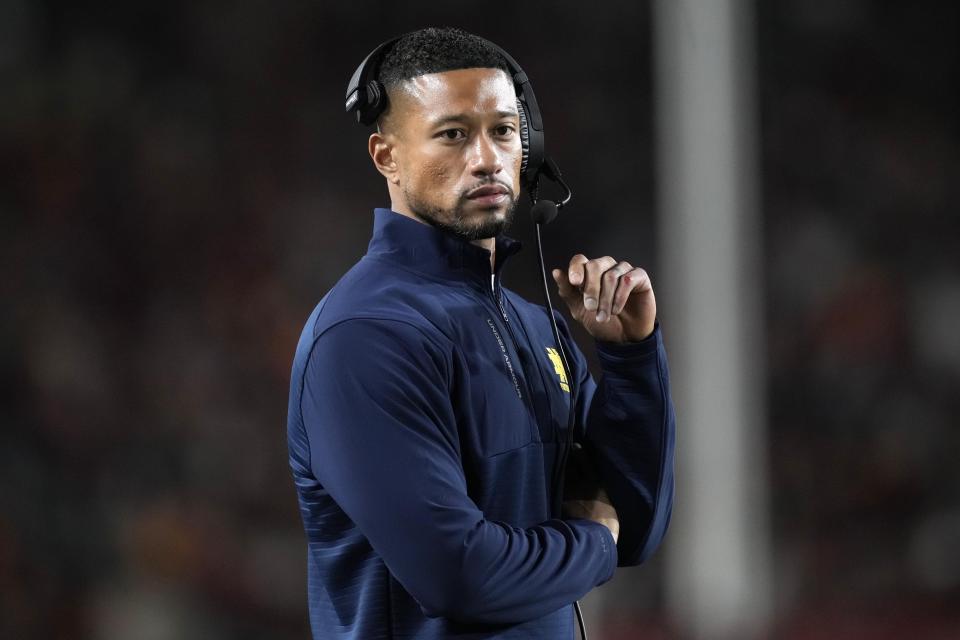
(570, 294)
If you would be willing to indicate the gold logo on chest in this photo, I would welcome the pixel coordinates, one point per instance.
(558, 368)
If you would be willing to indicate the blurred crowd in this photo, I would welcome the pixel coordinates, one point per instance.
(179, 186)
(861, 179)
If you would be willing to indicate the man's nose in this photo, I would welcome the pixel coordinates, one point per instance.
(485, 158)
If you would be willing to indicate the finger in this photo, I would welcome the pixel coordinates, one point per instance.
(575, 270)
(593, 270)
(608, 287)
(568, 292)
(635, 280)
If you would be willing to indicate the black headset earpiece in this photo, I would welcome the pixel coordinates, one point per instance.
(366, 96)
(376, 95)
(524, 138)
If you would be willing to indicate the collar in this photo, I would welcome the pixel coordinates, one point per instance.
(430, 250)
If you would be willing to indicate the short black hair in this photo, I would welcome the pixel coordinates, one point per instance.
(434, 50)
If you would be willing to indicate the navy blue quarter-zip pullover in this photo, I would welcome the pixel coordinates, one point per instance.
(427, 406)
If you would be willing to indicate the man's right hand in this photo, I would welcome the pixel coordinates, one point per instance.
(584, 496)
(598, 509)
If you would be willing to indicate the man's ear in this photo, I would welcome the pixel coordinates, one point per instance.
(382, 148)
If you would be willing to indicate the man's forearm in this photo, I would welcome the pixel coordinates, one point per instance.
(631, 434)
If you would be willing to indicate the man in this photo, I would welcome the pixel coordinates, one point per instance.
(428, 404)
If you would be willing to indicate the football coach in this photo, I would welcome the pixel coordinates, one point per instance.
(428, 412)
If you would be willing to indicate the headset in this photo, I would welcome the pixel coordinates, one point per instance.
(367, 98)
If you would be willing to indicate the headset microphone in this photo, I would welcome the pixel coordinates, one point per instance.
(545, 211)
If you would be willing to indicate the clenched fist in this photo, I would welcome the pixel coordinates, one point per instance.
(613, 300)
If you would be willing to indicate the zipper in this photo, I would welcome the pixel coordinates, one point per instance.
(516, 349)
(506, 320)
(546, 380)
(513, 340)
(496, 301)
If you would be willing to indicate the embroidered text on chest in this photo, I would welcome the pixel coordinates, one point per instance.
(506, 357)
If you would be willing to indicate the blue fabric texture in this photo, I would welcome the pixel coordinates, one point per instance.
(426, 416)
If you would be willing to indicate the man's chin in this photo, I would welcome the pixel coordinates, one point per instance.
(469, 220)
(486, 222)
(485, 215)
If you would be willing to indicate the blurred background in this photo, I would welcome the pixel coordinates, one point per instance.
(179, 186)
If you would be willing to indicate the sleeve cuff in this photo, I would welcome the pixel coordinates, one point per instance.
(610, 552)
(608, 547)
(615, 352)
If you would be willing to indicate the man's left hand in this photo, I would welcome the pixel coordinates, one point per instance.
(612, 299)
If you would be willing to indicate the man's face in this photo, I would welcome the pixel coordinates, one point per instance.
(457, 149)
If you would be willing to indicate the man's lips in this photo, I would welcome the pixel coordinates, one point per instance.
(486, 191)
(491, 194)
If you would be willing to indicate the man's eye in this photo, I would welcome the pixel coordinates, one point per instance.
(504, 130)
(451, 134)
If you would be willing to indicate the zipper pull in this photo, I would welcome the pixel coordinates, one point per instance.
(496, 298)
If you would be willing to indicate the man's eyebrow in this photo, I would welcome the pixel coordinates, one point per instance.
(460, 117)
